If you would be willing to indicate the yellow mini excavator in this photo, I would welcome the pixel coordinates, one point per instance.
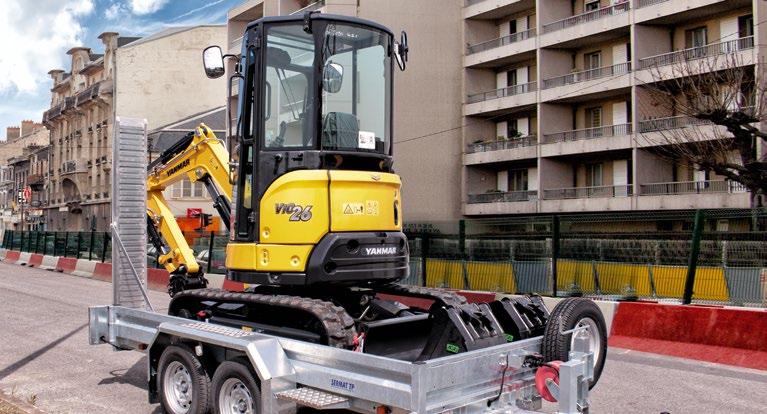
(312, 203)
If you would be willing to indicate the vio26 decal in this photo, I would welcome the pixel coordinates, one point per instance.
(296, 211)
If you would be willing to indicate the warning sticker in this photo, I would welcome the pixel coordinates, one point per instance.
(371, 207)
(366, 140)
(353, 209)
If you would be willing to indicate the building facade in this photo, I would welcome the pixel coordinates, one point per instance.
(25, 153)
(557, 119)
(158, 78)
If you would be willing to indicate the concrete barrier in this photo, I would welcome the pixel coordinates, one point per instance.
(49, 262)
(35, 260)
(11, 256)
(103, 272)
(715, 334)
(66, 265)
(24, 258)
(84, 268)
(157, 279)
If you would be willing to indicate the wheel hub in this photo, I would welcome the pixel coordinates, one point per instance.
(177, 387)
(235, 398)
(595, 339)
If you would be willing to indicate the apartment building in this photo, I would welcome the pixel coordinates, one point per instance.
(24, 164)
(157, 77)
(428, 95)
(555, 113)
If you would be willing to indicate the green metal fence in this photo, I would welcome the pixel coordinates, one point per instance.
(712, 256)
(94, 245)
(657, 255)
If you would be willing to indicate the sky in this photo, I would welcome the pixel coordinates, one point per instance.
(36, 34)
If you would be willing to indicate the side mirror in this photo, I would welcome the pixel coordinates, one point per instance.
(213, 61)
(332, 77)
(401, 50)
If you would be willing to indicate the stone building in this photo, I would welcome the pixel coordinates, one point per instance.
(25, 153)
(158, 77)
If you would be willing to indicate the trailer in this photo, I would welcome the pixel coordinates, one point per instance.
(196, 366)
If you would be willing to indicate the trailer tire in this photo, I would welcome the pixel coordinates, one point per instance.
(235, 384)
(574, 312)
(182, 382)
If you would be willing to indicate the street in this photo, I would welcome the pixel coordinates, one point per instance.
(45, 356)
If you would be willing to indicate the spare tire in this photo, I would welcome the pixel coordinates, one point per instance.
(576, 312)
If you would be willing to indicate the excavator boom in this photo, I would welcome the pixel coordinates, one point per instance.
(199, 156)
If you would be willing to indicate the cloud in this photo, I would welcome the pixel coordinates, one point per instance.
(193, 11)
(46, 29)
(115, 11)
(141, 7)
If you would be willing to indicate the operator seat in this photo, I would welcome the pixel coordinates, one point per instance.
(340, 130)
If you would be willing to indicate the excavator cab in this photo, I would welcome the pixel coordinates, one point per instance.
(316, 199)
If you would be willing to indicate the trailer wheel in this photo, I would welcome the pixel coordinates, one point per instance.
(235, 389)
(183, 384)
(576, 312)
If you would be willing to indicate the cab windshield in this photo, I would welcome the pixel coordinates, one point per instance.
(356, 114)
(355, 94)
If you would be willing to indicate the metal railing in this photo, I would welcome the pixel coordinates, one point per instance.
(714, 49)
(502, 93)
(588, 192)
(587, 75)
(690, 187)
(618, 8)
(501, 41)
(311, 7)
(509, 143)
(674, 122)
(645, 3)
(87, 94)
(503, 197)
(589, 133)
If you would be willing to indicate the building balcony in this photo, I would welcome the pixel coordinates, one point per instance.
(90, 93)
(575, 27)
(587, 82)
(673, 11)
(588, 192)
(601, 198)
(692, 194)
(500, 99)
(582, 141)
(36, 181)
(500, 51)
(512, 202)
(709, 51)
(670, 130)
(53, 113)
(501, 151)
(494, 9)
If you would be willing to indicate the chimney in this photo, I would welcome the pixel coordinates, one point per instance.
(27, 127)
(12, 133)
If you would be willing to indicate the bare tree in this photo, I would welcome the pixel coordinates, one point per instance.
(710, 106)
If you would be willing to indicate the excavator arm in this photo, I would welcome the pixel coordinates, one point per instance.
(199, 156)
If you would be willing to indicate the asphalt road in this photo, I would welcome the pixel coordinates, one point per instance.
(44, 353)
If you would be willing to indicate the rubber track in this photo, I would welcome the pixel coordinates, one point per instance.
(339, 326)
(442, 295)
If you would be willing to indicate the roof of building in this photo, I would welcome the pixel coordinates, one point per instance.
(165, 136)
(124, 40)
(170, 31)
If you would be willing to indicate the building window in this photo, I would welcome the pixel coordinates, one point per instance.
(518, 180)
(594, 175)
(187, 189)
(594, 121)
(511, 78)
(591, 5)
(746, 26)
(697, 37)
(593, 60)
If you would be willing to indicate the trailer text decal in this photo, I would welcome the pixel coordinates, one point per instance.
(342, 384)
